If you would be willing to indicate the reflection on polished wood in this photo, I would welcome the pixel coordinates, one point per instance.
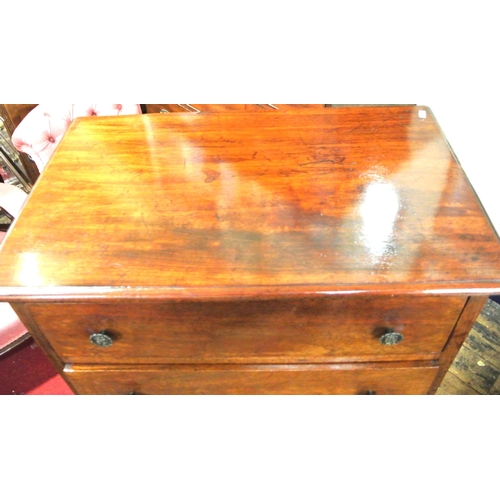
(368, 198)
(253, 238)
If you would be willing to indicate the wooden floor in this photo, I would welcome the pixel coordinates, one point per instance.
(476, 369)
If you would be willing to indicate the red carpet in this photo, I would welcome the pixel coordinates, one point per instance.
(27, 370)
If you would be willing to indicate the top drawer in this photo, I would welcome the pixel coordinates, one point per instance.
(332, 329)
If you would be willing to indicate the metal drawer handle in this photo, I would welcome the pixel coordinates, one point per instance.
(101, 339)
(391, 338)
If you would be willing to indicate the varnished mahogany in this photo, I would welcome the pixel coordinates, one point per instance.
(332, 329)
(274, 240)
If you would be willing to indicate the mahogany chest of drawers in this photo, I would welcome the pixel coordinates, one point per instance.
(326, 251)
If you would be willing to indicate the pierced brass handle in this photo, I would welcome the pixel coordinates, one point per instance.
(391, 338)
(101, 339)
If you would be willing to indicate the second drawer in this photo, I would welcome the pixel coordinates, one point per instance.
(382, 378)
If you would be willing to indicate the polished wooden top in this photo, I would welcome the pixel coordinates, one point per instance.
(252, 204)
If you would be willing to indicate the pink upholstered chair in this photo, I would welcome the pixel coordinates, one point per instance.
(44, 126)
(12, 331)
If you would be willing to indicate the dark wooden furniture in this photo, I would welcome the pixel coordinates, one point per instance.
(5, 219)
(223, 108)
(24, 168)
(322, 251)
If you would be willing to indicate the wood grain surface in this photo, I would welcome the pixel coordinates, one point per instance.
(253, 379)
(184, 205)
(253, 253)
(331, 329)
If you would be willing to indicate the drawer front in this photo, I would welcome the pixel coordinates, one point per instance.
(322, 330)
(247, 380)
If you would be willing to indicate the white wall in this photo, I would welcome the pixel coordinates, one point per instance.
(473, 132)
